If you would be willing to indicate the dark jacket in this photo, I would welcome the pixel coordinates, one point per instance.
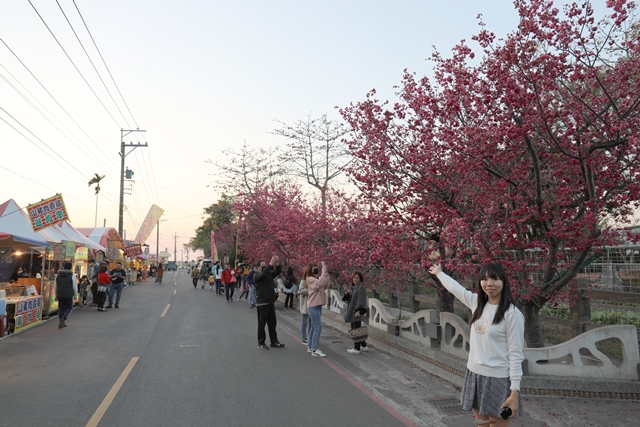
(64, 284)
(357, 302)
(265, 288)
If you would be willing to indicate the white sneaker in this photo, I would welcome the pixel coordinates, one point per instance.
(365, 349)
(353, 351)
(318, 353)
(309, 350)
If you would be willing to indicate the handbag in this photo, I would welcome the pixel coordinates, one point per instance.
(359, 334)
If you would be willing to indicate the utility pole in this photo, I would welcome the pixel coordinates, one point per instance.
(175, 250)
(123, 145)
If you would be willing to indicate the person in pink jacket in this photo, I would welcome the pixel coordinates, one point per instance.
(317, 297)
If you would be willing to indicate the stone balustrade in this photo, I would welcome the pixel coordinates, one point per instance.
(422, 327)
(580, 356)
(334, 300)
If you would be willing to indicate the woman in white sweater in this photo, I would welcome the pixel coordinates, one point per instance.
(494, 369)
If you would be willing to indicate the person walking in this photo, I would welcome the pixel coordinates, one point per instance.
(103, 282)
(239, 275)
(494, 368)
(66, 290)
(265, 299)
(303, 293)
(195, 275)
(92, 275)
(252, 287)
(290, 288)
(317, 288)
(244, 289)
(159, 273)
(228, 279)
(117, 277)
(217, 273)
(356, 299)
(205, 272)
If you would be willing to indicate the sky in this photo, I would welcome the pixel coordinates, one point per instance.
(199, 77)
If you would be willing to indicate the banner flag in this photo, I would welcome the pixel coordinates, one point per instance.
(214, 250)
(147, 225)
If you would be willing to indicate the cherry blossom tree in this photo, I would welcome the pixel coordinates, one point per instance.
(524, 155)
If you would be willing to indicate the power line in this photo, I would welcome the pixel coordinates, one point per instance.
(78, 147)
(46, 145)
(74, 65)
(105, 65)
(56, 101)
(92, 64)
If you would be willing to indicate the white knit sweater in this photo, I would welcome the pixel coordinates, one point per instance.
(495, 350)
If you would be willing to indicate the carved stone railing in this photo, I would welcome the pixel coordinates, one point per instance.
(456, 333)
(334, 299)
(422, 327)
(580, 356)
(379, 317)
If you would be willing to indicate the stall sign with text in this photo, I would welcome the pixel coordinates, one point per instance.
(47, 213)
(133, 250)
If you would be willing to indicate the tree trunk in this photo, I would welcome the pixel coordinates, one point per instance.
(532, 330)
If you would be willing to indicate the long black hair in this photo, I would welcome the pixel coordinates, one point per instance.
(496, 272)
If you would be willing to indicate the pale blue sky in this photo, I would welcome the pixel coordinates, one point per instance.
(200, 77)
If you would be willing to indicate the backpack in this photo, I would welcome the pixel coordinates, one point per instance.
(288, 283)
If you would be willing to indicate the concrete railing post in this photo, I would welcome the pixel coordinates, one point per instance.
(580, 313)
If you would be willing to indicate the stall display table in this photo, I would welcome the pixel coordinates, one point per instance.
(24, 312)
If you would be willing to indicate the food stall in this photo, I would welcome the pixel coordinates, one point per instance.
(21, 306)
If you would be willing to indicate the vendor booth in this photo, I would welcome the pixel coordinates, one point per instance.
(108, 238)
(20, 299)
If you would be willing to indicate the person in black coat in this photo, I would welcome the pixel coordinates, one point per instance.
(66, 289)
(266, 296)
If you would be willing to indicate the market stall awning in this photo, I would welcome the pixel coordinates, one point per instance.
(107, 237)
(14, 240)
(78, 237)
(14, 221)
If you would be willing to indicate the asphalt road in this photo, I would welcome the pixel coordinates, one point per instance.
(198, 365)
(173, 355)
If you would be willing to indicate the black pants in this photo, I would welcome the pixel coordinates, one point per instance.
(288, 302)
(267, 316)
(195, 282)
(228, 290)
(101, 297)
(94, 292)
(356, 325)
(245, 293)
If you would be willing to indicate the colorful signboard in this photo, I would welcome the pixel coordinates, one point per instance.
(28, 312)
(47, 213)
(149, 222)
(58, 252)
(69, 248)
(132, 250)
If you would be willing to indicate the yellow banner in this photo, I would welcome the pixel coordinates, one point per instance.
(149, 222)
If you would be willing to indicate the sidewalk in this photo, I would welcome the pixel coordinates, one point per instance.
(428, 400)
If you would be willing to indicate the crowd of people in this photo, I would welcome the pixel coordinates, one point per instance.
(494, 369)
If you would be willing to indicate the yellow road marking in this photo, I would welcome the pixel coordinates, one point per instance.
(102, 409)
(165, 310)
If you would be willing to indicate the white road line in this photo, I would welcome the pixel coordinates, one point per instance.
(102, 409)
(165, 310)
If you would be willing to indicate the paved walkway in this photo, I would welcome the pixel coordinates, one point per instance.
(194, 362)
